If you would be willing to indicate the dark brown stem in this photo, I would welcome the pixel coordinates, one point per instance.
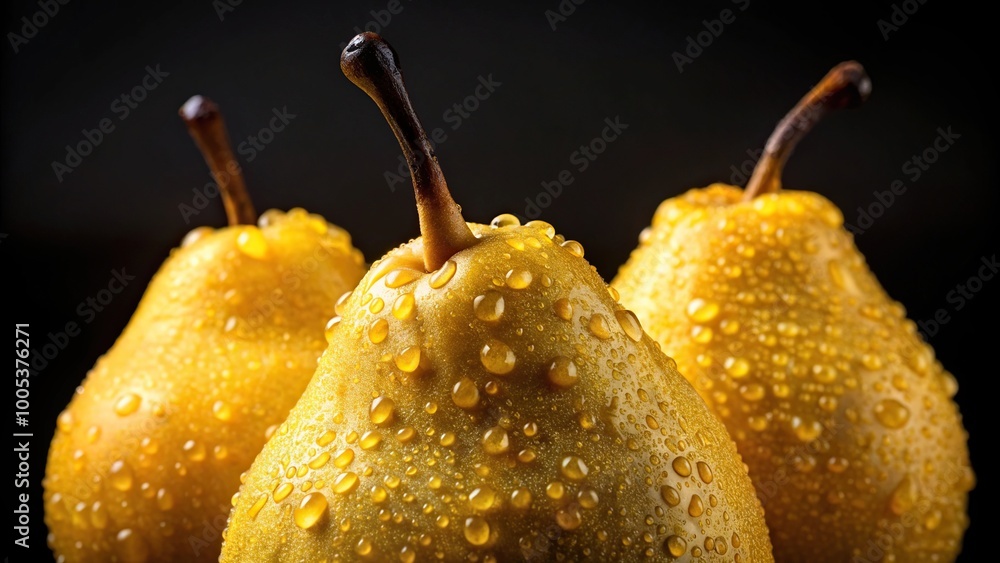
(204, 122)
(846, 86)
(372, 65)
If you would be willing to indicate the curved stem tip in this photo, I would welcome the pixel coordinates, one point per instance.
(845, 86)
(204, 122)
(372, 65)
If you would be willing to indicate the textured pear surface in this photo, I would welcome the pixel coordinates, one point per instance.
(149, 452)
(841, 411)
(502, 408)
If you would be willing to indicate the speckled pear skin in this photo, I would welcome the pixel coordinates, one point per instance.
(149, 452)
(839, 408)
(502, 408)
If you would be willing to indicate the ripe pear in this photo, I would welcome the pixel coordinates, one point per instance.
(149, 452)
(484, 398)
(841, 411)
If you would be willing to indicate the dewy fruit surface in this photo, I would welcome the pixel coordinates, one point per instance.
(841, 411)
(484, 397)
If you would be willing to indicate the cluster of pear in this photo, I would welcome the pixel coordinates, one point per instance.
(485, 396)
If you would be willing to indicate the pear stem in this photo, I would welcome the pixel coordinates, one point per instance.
(845, 86)
(204, 122)
(372, 65)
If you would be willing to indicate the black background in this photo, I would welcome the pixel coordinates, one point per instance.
(119, 207)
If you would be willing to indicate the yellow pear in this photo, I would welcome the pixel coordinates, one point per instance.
(149, 452)
(841, 411)
(484, 398)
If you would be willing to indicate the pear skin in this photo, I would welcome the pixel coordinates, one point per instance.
(839, 408)
(485, 398)
(503, 407)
